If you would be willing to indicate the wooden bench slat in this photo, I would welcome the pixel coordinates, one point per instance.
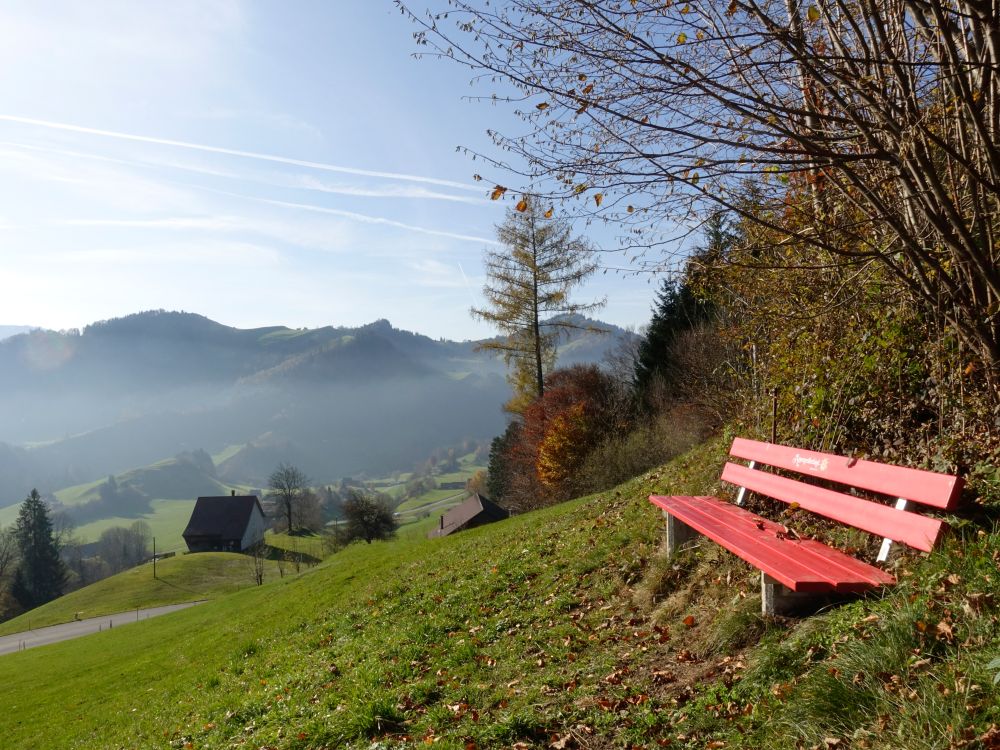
(801, 565)
(752, 548)
(925, 487)
(920, 532)
(848, 573)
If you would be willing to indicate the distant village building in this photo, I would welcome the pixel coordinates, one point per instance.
(225, 524)
(477, 510)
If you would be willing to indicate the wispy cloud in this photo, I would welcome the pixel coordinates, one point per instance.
(240, 153)
(365, 218)
(298, 181)
(203, 253)
(309, 182)
(433, 273)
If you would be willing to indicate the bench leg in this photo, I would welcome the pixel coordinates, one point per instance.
(678, 534)
(777, 599)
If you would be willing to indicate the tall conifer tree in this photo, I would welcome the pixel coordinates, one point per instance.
(41, 573)
(528, 284)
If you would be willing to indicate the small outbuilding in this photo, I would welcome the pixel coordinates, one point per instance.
(225, 524)
(476, 510)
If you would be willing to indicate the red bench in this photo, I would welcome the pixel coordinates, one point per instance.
(792, 567)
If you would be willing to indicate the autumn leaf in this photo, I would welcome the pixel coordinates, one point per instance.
(813, 13)
(630, 209)
(543, 105)
(681, 38)
(598, 197)
(689, 621)
(548, 214)
(588, 88)
(945, 630)
(497, 193)
(522, 205)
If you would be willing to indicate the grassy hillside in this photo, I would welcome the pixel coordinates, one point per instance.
(184, 578)
(167, 520)
(560, 628)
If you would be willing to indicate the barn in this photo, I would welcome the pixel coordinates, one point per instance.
(231, 523)
(476, 510)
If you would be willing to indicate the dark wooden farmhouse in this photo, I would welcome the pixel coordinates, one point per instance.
(477, 510)
(225, 524)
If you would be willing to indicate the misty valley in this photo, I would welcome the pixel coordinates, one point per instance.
(175, 406)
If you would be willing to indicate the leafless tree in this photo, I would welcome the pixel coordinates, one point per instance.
(288, 485)
(257, 556)
(124, 547)
(863, 131)
(8, 552)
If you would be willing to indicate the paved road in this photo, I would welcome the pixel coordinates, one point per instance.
(55, 633)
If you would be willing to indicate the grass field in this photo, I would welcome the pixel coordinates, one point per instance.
(465, 638)
(80, 493)
(414, 504)
(184, 578)
(167, 520)
(228, 452)
(312, 545)
(561, 628)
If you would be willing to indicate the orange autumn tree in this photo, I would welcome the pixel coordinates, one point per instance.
(578, 410)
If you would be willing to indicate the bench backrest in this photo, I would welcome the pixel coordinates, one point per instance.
(898, 524)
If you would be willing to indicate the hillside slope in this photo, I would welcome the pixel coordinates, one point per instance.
(184, 578)
(560, 628)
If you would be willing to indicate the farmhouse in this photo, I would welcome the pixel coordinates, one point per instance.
(225, 524)
(477, 510)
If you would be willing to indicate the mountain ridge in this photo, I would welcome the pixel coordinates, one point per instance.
(127, 392)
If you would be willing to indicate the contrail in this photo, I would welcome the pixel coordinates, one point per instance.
(359, 217)
(236, 152)
(304, 183)
(468, 286)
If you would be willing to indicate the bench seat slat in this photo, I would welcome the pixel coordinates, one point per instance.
(924, 487)
(920, 532)
(801, 565)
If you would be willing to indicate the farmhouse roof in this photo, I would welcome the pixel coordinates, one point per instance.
(475, 507)
(225, 517)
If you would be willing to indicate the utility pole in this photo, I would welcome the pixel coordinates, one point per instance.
(154, 557)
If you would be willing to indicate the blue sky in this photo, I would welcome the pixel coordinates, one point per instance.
(259, 163)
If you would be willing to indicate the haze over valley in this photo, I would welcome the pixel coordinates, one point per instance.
(206, 406)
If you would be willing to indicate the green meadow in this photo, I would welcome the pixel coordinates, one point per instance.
(564, 628)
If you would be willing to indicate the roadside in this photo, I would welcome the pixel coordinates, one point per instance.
(69, 630)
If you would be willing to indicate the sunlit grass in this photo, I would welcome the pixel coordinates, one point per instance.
(185, 578)
(559, 626)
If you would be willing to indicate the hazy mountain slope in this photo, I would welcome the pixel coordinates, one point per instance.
(8, 331)
(128, 392)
